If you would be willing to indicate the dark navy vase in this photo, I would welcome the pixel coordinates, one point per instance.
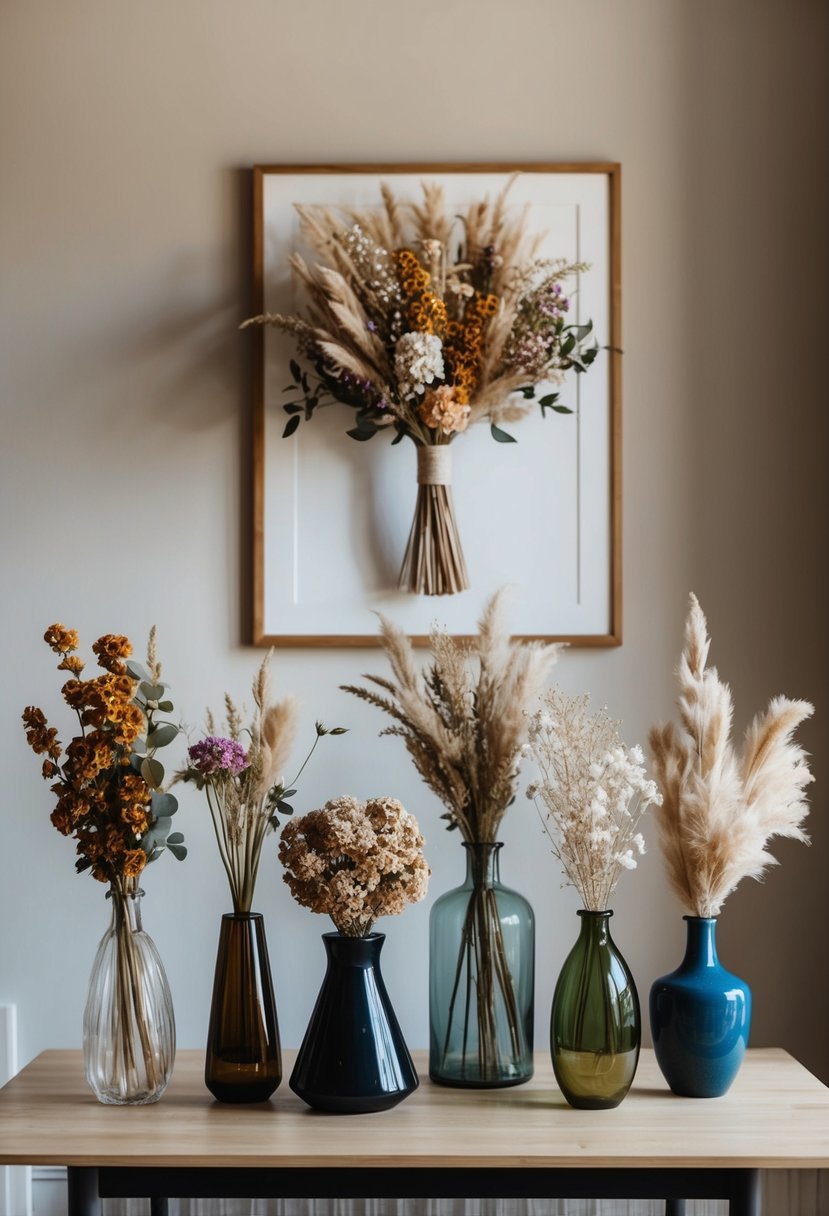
(353, 1058)
(700, 1017)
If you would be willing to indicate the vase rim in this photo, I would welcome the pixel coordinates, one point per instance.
(482, 844)
(241, 915)
(348, 937)
(702, 920)
(594, 912)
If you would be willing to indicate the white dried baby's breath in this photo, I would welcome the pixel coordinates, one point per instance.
(593, 792)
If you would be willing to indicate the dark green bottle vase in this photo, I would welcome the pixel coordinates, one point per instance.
(353, 1058)
(595, 1030)
(481, 979)
(244, 1062)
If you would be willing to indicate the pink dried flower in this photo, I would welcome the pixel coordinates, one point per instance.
(216, 755)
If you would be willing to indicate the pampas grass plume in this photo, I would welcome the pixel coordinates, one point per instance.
(721, 807)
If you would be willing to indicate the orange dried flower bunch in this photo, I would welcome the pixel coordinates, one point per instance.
(107, 780)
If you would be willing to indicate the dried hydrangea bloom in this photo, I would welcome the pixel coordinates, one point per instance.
(355, 861)
(443, 411)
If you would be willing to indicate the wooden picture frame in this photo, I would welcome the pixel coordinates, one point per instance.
(323, 505)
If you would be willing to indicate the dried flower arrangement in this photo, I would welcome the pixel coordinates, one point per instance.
(243, 781)
(594, 791)
(464, 724)
(108, 780)
(424, 322)
(720, 809)
(355, 861)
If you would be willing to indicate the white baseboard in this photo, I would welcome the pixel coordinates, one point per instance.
(15, 1180)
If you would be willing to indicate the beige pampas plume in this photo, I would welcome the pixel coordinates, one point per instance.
(463, 719)
(720, 809)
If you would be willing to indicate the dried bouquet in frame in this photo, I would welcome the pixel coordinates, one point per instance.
(721, 808)
(423, 322)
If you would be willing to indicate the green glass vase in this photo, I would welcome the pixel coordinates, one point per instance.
(595, 1030)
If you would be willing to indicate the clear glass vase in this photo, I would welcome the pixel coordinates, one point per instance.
(481, 979)
(129, 1032)
(595, 1029)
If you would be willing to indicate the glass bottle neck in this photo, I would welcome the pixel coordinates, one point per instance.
(701, 947)
(126, 906)
(595, 926)
(483, 868)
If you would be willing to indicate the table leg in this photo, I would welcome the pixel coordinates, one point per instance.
(674, 1207)
(82, 1191)
(745, 1200)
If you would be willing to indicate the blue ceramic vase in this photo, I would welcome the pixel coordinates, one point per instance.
(700, 1017)
(353, 1058)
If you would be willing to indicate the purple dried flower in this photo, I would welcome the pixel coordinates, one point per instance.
(215, 755)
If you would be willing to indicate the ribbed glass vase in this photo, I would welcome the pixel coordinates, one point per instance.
(129, 1032)
(481, 979)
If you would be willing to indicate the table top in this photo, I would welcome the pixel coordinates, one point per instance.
(776, 1115)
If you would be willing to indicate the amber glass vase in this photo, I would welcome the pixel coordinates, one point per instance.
(244, 1062)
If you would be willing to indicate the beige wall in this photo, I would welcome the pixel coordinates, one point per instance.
(127, 130)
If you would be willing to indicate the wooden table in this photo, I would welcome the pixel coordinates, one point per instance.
(521, 1142)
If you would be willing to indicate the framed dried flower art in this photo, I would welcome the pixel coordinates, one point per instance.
(437, 399)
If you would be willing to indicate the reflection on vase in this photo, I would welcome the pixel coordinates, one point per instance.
(481, 979)
(700, 1018)
(243, 1062)
(129, 1033)
(595, 1031)
(353, 1058)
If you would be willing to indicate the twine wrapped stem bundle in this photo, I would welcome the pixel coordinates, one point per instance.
(434, 562)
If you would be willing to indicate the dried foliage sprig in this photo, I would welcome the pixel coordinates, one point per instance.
(108, 780)
(463, 718)
(721, 808)
(594, 791)
(241, 773)
(355, 861)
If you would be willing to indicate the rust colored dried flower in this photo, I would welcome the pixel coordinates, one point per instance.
(42, 738)
(133, 862)
(111, 649)
(60, 639)
(355, 861)
(100, 798)
(71, 662)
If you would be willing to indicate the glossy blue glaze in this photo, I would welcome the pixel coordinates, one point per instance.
(700, 1018)
(353, 1058)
